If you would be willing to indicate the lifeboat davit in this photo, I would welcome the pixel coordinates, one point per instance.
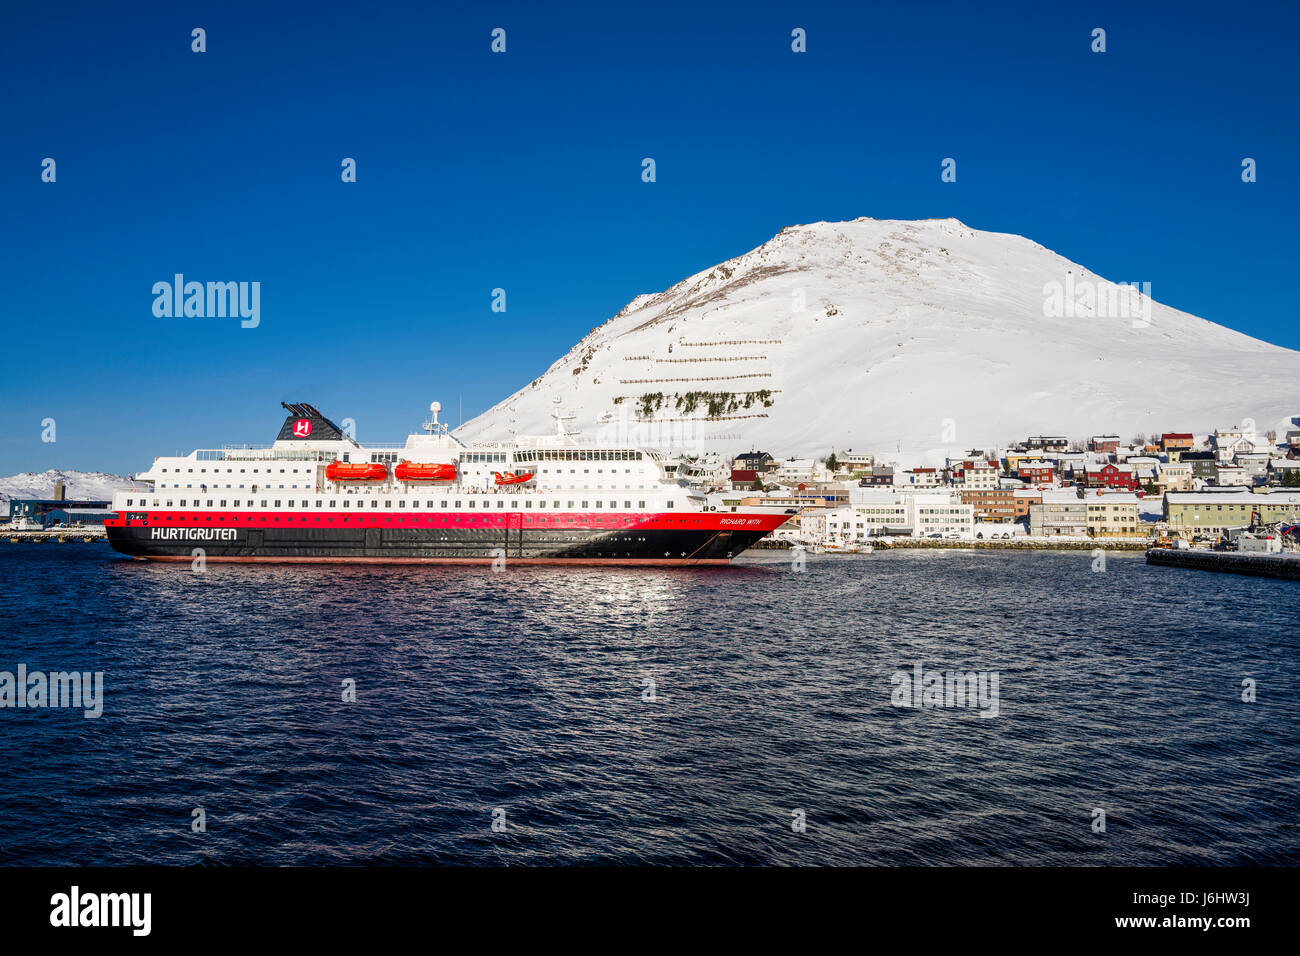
(415, 471)
(510, 478)
(344, 471)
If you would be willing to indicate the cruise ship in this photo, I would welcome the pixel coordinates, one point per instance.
(316, 495)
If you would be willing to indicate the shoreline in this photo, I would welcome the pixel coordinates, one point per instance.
(1070, 544)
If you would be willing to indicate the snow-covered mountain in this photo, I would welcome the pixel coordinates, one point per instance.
(78, 485)
(915, 339)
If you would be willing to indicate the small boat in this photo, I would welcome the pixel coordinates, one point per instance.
(510, 478)
(345, 471)
(848, 547)
(416, 471)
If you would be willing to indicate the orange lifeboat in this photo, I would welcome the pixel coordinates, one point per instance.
(414, 471)
(343, 471)
(510, 478)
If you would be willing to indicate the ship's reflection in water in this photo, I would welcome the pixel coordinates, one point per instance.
(664, 716)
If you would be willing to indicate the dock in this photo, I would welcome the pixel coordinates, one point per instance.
(59, 535)
(1286, 566)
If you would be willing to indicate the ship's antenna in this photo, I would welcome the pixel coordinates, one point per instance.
(434, 427)
(558, 414)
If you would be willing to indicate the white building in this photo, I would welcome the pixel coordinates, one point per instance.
(940, 514)
(882, 508)
(1236, 440)
(797, 469)
(1228, 476)
(978, 476)
(875, 511)
(923, 477)
(849, 461)
(838, 526)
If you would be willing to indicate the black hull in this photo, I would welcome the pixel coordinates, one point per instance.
(454, 546)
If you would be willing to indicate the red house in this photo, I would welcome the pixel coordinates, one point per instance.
(1113, 476)
(743, 476)
(1037, 472)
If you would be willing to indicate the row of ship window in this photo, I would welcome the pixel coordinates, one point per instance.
(231, 471)
(576, 454)
(374, 503)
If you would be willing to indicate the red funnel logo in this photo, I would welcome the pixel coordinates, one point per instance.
(302, 428)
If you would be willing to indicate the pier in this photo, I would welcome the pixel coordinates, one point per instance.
(1286, 566)
(60, 535)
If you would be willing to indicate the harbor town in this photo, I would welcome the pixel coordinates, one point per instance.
(1232, 488)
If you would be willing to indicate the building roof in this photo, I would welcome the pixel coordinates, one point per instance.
(1233, 498)
(1113, 497)
(1059, 497)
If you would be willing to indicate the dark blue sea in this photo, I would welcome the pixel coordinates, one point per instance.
(521, 697)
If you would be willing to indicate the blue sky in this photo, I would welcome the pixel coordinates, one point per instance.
(522, 171)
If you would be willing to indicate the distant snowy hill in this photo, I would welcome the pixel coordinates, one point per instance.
(78, 485)
(914, 339)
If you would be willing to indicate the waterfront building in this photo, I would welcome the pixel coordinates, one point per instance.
(1112, 514)
(1023, 499)
(1061, 513)
(997, 505)
(1212, 512)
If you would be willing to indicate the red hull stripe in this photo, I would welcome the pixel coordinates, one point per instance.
(408, 519)
(630, 562)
